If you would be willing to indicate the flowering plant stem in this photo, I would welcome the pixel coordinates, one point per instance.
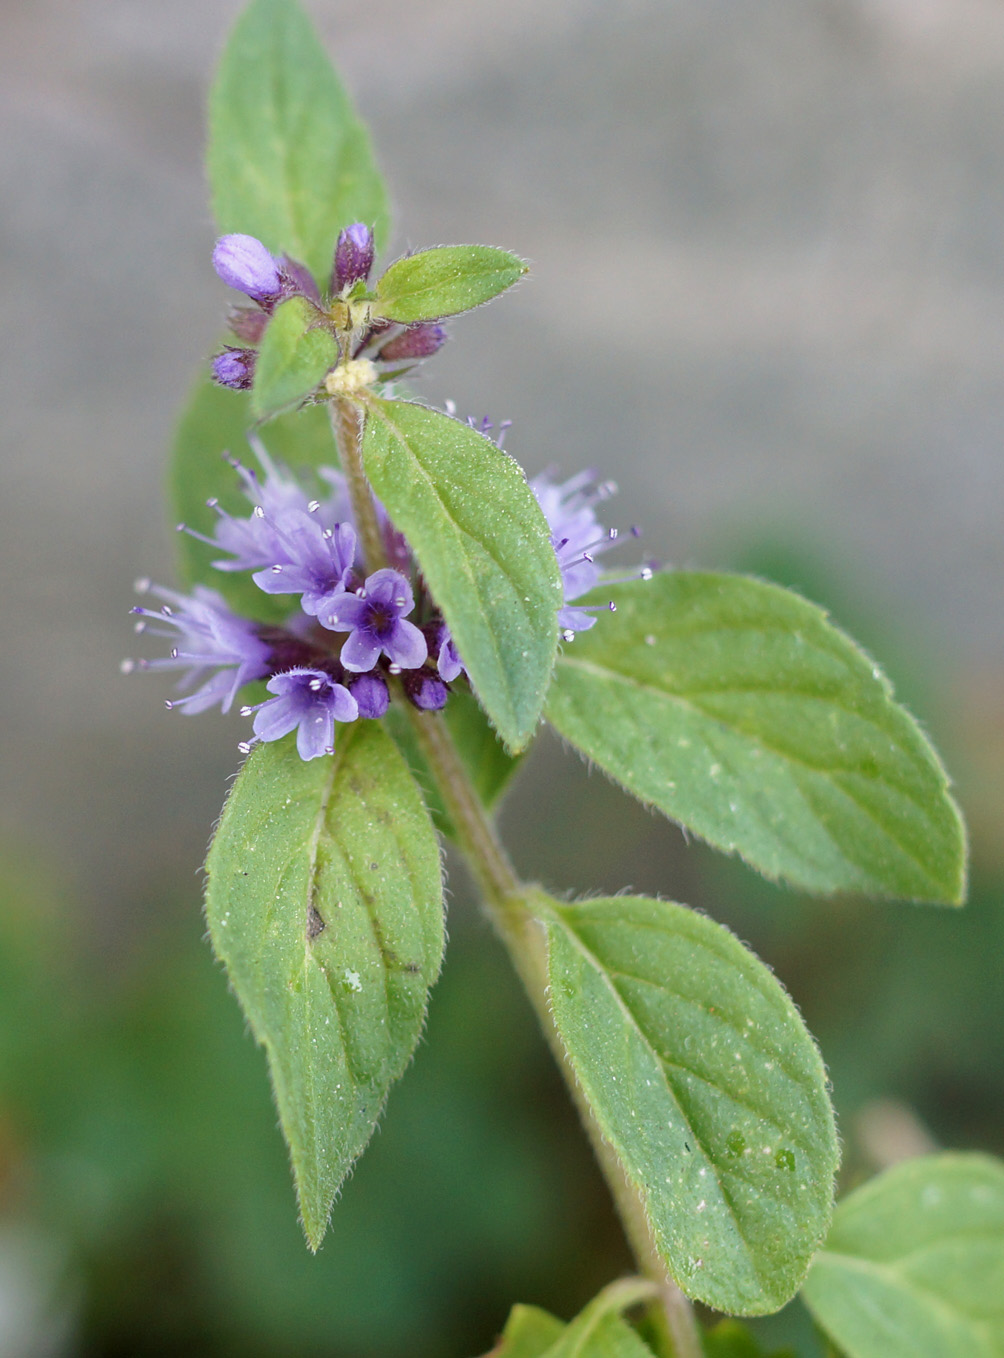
(510, 905)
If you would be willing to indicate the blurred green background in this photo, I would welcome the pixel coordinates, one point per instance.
(768, 297)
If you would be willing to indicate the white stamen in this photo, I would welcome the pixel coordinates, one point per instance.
(244, 747)
(568, 634)
(258, 512)
(126, 666)
(142, 584)
(394, 669)
(313, 507)
(645, 573)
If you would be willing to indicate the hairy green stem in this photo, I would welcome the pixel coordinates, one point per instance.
(511, 904)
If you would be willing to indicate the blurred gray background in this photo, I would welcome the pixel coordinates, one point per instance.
(767, 297)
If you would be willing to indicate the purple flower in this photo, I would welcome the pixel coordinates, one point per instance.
(258, 540)
(296, 277)
(577, 536)
(370, 692)
(307, 701)
(374, 617)
(353, 256)
(234, 368)
(210, 638)
(244, 263)
(448, 662)
(315, 562)
(420, 341)
(425, 690)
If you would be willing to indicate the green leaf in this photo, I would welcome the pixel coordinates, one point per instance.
(598, 1330)
(215, 422)
(324, 900)
(914, 1264)
(444, 281)
(296, 352)
(708, 1087)
(484, 547)
(736, 708)
(529, 1333)
(488, 765)
(289, 161)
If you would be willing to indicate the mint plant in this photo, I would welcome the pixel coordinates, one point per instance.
(395, 608)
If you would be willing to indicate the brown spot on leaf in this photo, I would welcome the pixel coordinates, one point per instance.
(315, 924)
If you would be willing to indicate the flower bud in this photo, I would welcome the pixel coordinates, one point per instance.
(425, 690)
(234, 368)
(370, 693)
(418, 342)
(353, 256)
(244, 263)
(248, 323)
(296, 277)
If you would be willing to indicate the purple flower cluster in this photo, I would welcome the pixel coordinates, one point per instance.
(349, 631)
(248, 266)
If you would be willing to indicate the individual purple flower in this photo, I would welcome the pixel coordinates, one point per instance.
(370, 692)
(210, 638)
(375, 619)
(316, 562)
(354, 254)
(419, 341)
(426, 690)
(307, 701)
(234, 368)
(245, 264)
(448, 661)
(577, 536)
(257, 540)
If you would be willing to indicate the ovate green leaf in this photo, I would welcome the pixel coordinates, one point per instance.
(216, 422)
(484, 547)
(598, 1330)
(914, 1264)
(296, 352)
(324, 901)
(289, 161)
(708, 1087)
(529, 1333)
(444, 281)
(735, 707)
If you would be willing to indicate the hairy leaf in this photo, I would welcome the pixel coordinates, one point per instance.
(289, 161)
(735, 707)
(324, 900)
(216, 422)
(444, 281)
(296, 352)
(484, 547)
(914, 1264)
(708, 1087)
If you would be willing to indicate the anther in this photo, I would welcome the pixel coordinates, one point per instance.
(276, 570)
(212, 502)
(244, 747)
(394, 669)
(180, 527)
(168, 704)
(313, 507)
(568, 635)
(316, 685)
(259, 513)
(126, 666)
(246, 711)
(174, 652)
(645, 573)
(141, 585)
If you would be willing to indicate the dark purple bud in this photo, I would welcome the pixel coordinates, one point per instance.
(244, 263)
(353, 256)
(425, 690)
(297, 278)
(235, 368)
(418, 342)
(248, 323)
(370, 693)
